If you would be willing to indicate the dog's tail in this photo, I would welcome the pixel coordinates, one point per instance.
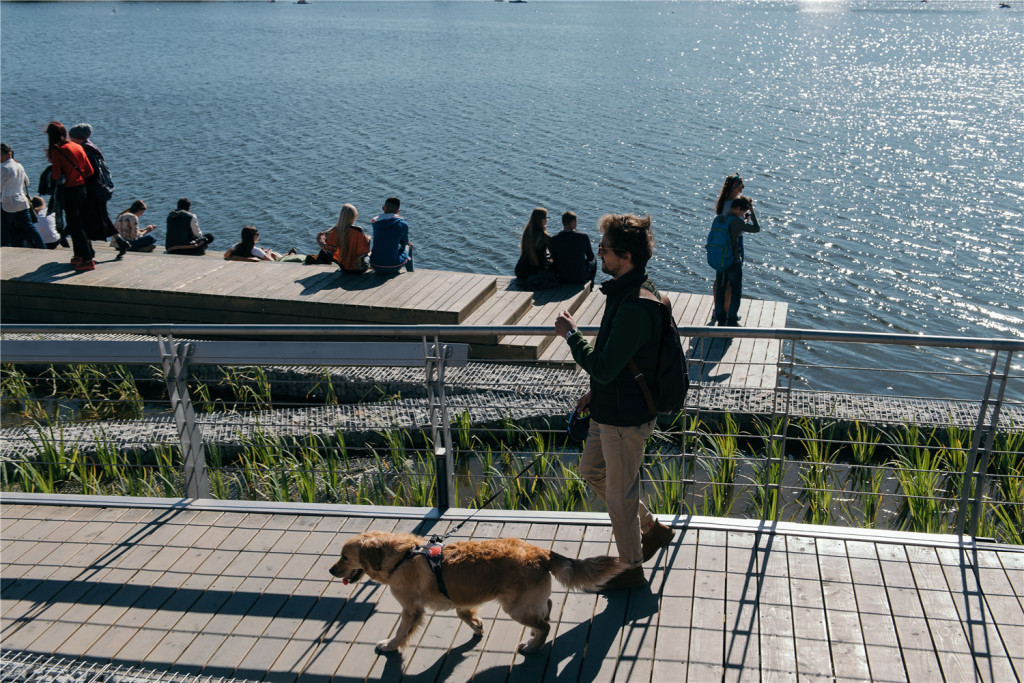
(588, 574)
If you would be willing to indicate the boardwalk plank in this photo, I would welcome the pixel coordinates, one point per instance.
(969, 594)
(743, 581)
(247, 595)
(880, 640)
(849, 658)
(778, 641)
(707, 654)
(813, 655)
(915, 641)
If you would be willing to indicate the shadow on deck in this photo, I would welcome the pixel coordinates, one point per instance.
(242, 591)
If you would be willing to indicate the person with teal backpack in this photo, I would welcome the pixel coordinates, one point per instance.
(725, 254)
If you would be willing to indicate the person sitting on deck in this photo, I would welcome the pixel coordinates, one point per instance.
(129, 237)
(46, 224)
(183, 233)
(391, 247)
(246, 250)
(346, 243)
(533, 270)
(572, 254)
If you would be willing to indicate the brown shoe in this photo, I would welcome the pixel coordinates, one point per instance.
(655, 538)
(631, 578)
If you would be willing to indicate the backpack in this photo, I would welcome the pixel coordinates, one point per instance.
(47, 184)
(102, 182)
(667, 392)
(719, 244)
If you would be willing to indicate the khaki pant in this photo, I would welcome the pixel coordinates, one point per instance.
(611, 465)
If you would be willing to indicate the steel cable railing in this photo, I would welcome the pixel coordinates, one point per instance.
(102, 408)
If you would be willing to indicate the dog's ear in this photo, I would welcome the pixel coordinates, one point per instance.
(371, 553)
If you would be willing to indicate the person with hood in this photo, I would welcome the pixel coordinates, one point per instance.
(98, 188)
(391, 248)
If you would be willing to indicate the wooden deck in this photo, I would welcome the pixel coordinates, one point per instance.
(235, 591)
(40, 286)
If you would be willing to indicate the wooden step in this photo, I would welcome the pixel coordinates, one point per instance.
(545, 307)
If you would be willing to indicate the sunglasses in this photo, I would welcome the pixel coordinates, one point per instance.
(602, 249)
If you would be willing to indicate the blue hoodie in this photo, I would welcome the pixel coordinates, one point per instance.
(390, 237)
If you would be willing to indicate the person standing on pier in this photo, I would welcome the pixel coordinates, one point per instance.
(71, 166)
(98, 187)
(621, 422)
(729, 282)
(16, 227)
(725, 287)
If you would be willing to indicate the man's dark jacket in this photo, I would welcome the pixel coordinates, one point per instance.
(615, 397)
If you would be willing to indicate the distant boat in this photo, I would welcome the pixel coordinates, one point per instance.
(1004, 5)
(303, 2)
(517, 1)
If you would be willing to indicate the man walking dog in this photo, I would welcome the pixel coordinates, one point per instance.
(621, 421)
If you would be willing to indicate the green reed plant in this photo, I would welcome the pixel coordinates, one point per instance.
(330, 396)
(1008, 449)
(219, 479)
(569, 495)
(953, 452)
(249, 387)
(55, 457)
(665, 476)
(465, 441)
(17, 394)
(199, 392)
(718, 459)
(105, 392)
(167, 471)
(768, 469)
(816, 473)
(305, 464)
(918, 470)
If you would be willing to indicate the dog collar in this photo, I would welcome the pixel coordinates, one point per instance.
(434, 552)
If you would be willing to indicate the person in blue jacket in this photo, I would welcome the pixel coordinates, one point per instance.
(391, 249)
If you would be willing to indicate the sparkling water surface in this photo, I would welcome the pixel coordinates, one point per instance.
(881, 140)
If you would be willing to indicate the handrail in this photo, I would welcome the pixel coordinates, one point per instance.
(419, 331)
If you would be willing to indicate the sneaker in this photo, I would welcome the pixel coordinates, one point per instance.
(121, 244)
(75, 260)
(84, 265)
(629, 579)
(655, 538)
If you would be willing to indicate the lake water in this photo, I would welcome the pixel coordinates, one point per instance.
(881, 140)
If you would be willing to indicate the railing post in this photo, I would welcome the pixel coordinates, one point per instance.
(440, 424)
(174, 358)
(783, 425)
(979, 478)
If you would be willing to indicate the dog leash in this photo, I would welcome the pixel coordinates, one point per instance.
(441, 539)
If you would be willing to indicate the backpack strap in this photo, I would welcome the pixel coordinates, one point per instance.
(70, 161)
(638, 375)
(641, 381)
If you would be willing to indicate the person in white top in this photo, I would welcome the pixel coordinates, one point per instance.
(16, 226)
(46, 225)
(246, 250)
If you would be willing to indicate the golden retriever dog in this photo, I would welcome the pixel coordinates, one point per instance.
(515, 573)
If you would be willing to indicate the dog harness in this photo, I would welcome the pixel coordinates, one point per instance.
(434, 552)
